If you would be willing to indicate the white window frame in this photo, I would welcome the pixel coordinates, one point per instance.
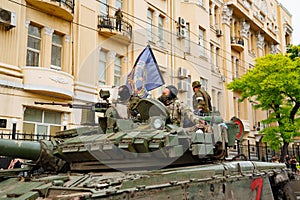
(102, 72)
(201, 42)
(61, 52)
(117, 70)
(42, 123)
(203, 83)
(150, 24)
(187, 39)
(38, 51)
(161, 30)
(103, 8)
(119, 4)
(189, 92)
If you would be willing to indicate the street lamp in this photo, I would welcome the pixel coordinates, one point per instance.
(14, 128)
(248, 140)
(65, 123)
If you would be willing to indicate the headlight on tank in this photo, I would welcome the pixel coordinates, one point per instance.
(157, 123)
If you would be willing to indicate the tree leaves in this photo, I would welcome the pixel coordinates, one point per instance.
(274, 83)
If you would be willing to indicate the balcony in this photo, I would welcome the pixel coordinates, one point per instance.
(107, 27)
(60, 8)
(48, 81)
(237, 43)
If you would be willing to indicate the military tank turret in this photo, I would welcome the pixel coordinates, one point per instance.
(149, 142)
(145, 156)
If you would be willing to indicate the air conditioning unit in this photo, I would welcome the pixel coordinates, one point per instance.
(219, 32)
(7, 18)
(182, 32)
(182, 86)
(182, 73)
(181, 22)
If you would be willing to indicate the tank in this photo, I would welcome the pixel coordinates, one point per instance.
(144, 156)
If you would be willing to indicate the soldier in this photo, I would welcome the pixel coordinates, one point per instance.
(119, 17)
(119, 110)
(201, 100)
(180, 113)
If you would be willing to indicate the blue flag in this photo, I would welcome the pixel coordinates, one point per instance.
(145, 74)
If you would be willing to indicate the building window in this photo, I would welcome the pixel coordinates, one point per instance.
(119, 4)
(33, 46)
(187, 39)
(161, 30)
(219, 100)
(200, 2)
(41, 124)
(203, 84)
(103, 8)
(237, 63)
(217, 59)
(102, 68)
(56, 51)
(189, 92)
(117, 71)
(201, 42)
(150, 23)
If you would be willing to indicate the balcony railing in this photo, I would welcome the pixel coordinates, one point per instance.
(60, 8)
(68, 3)
(108, 24)
(237, 43)
(25, 136)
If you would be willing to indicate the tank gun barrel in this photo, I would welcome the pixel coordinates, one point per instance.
(20, 149)
(41, 153)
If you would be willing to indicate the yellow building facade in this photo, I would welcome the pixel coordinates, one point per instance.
(66, 51)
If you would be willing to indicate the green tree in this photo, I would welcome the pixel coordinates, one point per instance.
(274, 83)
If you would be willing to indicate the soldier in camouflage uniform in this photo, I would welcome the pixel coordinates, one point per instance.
(180, 113)
(119, 16)
(201, 100)
(122, 108)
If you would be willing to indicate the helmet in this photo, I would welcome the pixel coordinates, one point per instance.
(196, 84)
(173, 91)
(124, 93)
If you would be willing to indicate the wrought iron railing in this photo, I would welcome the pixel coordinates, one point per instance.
(109, 22)
(68, 3)
(237, 40)
(25, 136)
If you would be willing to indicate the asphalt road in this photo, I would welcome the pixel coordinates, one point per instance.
(295, 184)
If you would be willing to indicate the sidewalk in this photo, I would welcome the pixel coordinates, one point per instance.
(295, 184)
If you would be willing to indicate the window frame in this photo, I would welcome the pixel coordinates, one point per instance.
(102, 77)
(31, 49)
(103, 5)
(150, 24)
(41, 123)
(117, 70)
(160, 34)
(61, 51)
(201, 42)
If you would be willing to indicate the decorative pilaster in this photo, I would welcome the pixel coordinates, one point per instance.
(274, 49)
(260, 40)
(245, 26)
(49, 31)
(227, 14)
(67, 38)
(27, 22)
(112, 54)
